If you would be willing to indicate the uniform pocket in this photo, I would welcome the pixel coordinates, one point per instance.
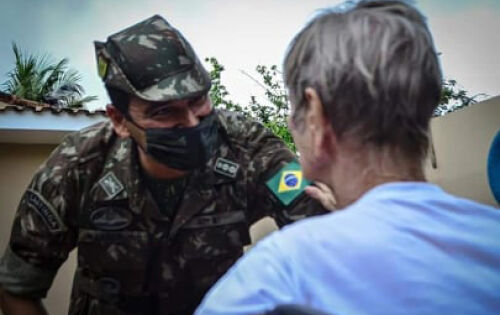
(114, 251)
(215, 235)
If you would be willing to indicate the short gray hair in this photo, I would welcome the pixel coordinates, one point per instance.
(375, 69)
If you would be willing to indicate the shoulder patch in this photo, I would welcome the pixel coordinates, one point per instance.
(111, 185)
(226, 167)
(288, 183)
(38, 203)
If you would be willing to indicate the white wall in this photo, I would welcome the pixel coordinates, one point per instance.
(462, 140)
(18, 162)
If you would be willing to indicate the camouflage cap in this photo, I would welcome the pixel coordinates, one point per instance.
(153, 61)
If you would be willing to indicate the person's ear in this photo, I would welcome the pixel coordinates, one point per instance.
(323, 138)
(118, 120)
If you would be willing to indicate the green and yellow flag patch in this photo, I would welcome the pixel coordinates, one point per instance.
(288, 183)
(102, 67)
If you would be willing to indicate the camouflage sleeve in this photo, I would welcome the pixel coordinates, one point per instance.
(43, 232)
(268, 155)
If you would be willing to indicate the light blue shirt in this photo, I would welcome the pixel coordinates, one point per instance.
(403, 248)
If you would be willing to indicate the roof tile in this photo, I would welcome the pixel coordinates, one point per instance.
(12, 102)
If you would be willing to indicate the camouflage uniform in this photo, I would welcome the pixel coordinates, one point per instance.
(131, 258)
(134, 258)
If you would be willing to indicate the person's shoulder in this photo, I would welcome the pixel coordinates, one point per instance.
(425, 198)
(251, 138)
(88, 141)
(97, 130)
(470, 204)
(311, 228)
(461, 208)
(238, 126)
(298, 248)
(95, 133)
(339, 230)
(76, 149)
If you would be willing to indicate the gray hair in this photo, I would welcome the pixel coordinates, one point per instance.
(375, 69)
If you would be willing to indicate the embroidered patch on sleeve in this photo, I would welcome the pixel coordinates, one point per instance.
(288, 183)
(111, 185)
(38, 203)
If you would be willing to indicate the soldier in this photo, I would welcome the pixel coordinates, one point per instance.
(159, 200)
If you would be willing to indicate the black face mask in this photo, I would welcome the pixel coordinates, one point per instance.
(183, 148)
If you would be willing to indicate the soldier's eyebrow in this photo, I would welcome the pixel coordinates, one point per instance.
(197, 99)
(156, 107)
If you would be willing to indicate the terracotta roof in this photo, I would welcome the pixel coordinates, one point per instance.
(14, 103)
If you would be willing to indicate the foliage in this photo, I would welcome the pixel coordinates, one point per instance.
(218, 91)
(271, 112)
(274, 110)
(454, 98)
(39, 79)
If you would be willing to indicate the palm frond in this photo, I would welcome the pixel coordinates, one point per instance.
(53, 76)
(37, 78)
(70, 78)
(84, 100)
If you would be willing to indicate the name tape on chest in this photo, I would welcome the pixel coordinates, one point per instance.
(226, 167)
(45, 210)
(288, 183)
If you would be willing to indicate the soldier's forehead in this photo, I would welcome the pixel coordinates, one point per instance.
(137, 104)
(149, 105)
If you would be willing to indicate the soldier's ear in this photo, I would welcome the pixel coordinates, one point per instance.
(118, 120)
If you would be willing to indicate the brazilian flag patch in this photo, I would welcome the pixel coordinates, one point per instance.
(288, 183)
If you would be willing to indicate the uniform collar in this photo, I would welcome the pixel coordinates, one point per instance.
(121, 169)
(200, 193)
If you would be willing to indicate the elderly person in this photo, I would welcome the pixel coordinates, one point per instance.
(363, 84)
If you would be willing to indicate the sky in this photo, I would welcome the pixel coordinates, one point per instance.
(241, 34)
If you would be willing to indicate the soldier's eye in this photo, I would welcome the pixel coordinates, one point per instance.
(160, 112)
(198, 101)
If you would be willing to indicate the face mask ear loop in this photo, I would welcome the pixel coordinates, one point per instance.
(137, 133)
